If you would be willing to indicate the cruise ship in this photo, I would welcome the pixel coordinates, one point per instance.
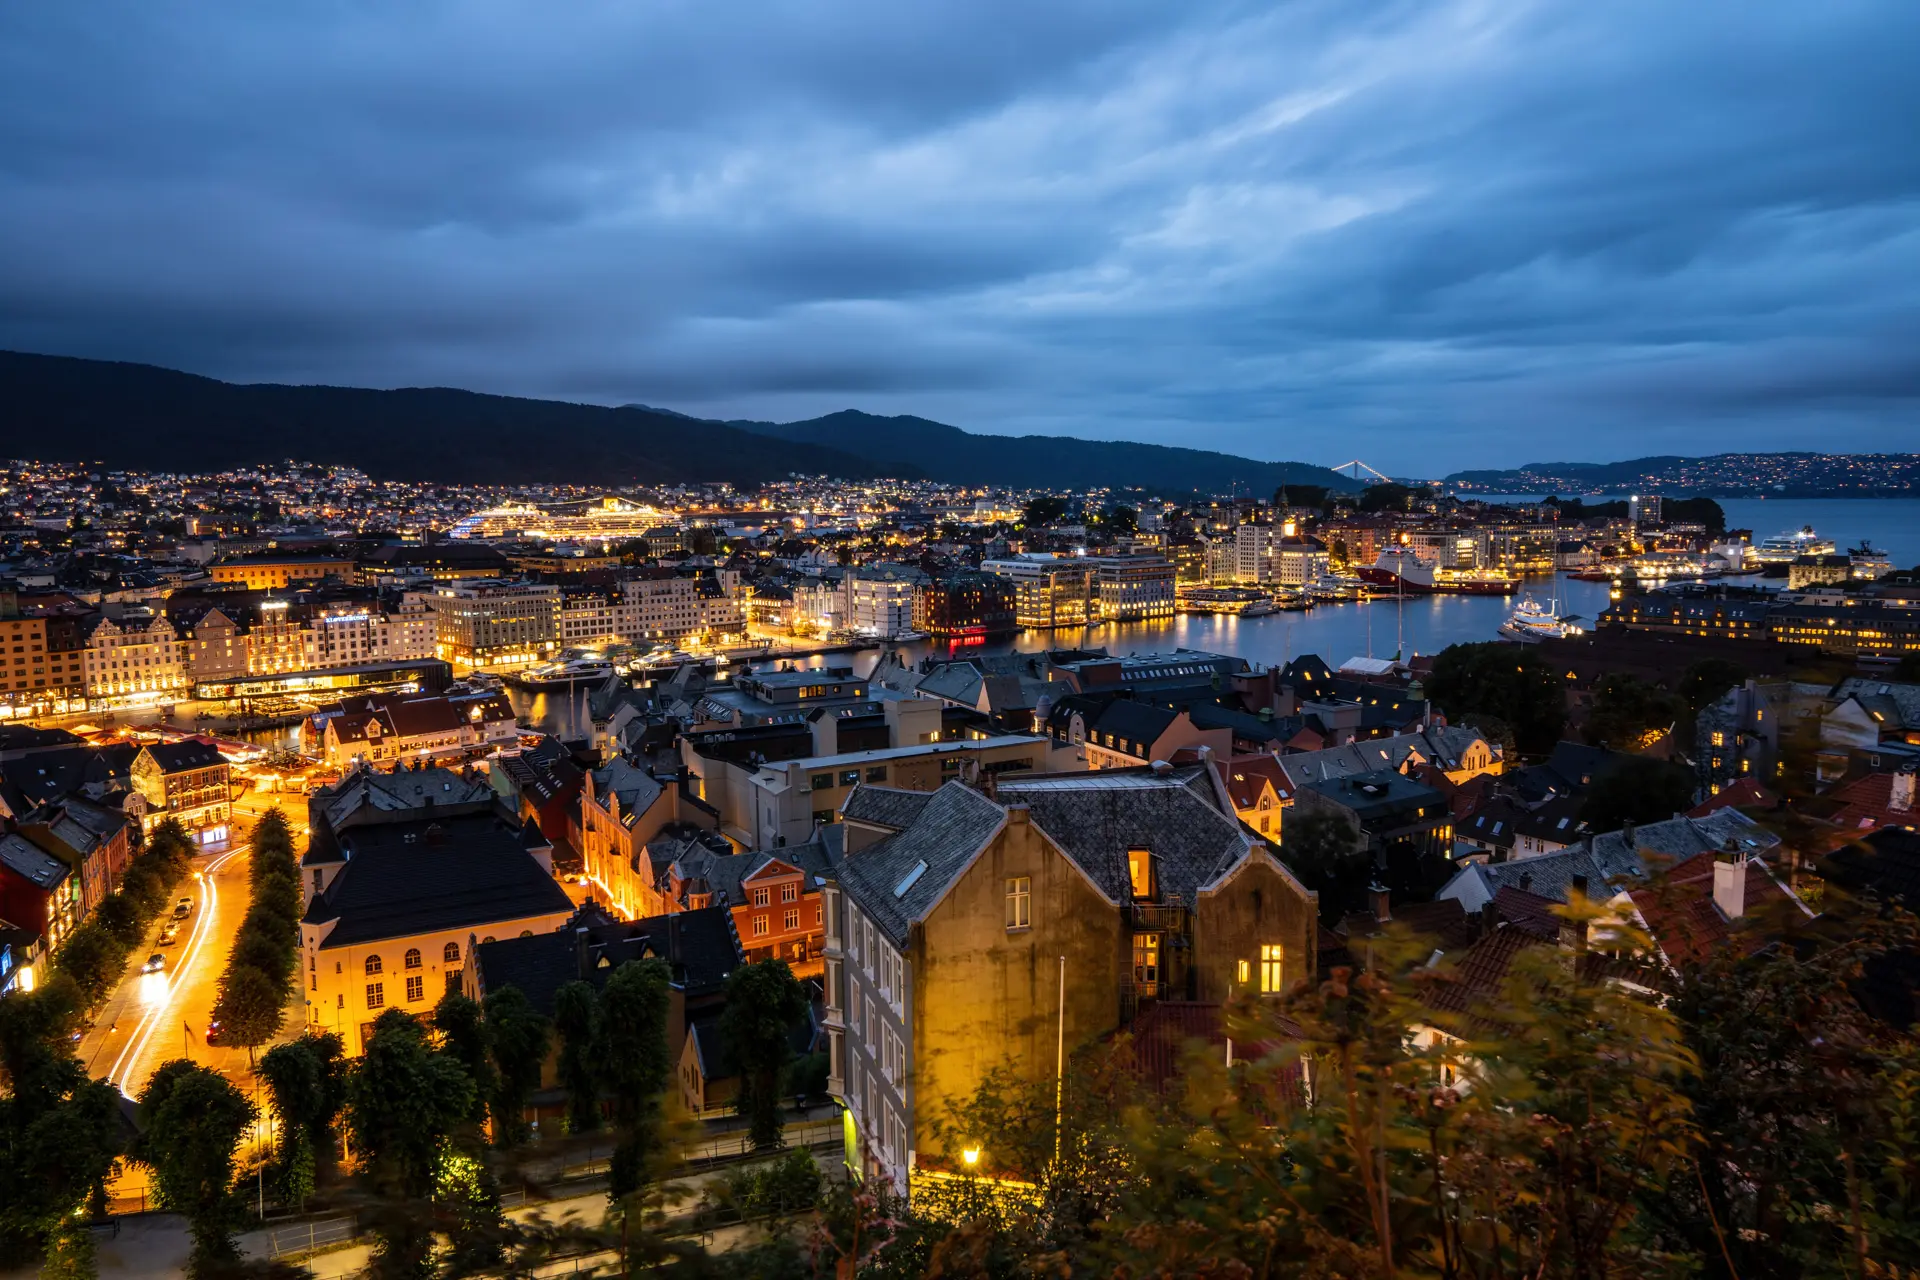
(1784, 548)
(1400, 570)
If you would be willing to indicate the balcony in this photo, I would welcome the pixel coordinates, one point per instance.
(1170, 917)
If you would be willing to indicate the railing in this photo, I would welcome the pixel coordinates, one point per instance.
(1159, 917)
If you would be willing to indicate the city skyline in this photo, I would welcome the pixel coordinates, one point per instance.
(1433, 239)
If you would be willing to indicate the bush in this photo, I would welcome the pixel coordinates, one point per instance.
(785, 1185)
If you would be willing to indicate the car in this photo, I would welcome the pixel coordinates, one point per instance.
(183, 908)
(170, 934)
(213, 1032)
(155, 963)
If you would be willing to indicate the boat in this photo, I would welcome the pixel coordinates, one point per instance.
(1246, 602)
(1259, 609)
(1529, 623)
(1401, 570)
(1784, 548)
(554, 676)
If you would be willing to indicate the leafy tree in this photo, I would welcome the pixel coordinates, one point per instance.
(1636, 789)
(518, 1038)
(1392, 497)
(631, 1062)
(464, 1034)
(59, 1131)
(195, 1119)
(404, 1101)
(1041, 512)
(764, 1001)
(94, 959)
(576, 1017)
(1326, 852)
(1119, 521)
(306, 1081)
(1708, 680)
(1628, 713)
(250, 1005)
(1509, 682)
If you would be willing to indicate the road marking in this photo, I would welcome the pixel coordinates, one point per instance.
(143, 1031)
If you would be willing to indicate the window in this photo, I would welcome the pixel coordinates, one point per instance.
(376, 995)
(1020, 902)
(1146, 961)
(1242, 971)
(792, 921)
(760, 897)
(759, 926)
(452, 953)
(1271, 955)
(454, 982)
(849, 777)
(821, 782)
(789, 893)
(413, 958)
(373, 964)
(416, 988)
(1140, 872)
(877, 773)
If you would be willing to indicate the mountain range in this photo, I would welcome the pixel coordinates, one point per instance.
(143, 417)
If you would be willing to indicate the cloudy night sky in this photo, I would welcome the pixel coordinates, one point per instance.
(1431, 235)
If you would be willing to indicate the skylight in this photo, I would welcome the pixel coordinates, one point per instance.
(910, 879)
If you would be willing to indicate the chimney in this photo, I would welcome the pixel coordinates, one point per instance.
(1900, 798)
(1730, 883)
(1626, 835)
(1579, 888)
(1382, 900)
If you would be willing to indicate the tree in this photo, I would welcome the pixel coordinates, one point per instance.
(195, 1119)
(1391, 497)
(576, 1017)
(464, 1034)
(1119, 521)
(306, 1081)
(1629, 714)
(1326, 851)
(404, 1101)
(1636, 789)
(764, 1001)
(1041, 512)
(250, 1006)
(631, 1062)
(1509, 682)
(518, 1037)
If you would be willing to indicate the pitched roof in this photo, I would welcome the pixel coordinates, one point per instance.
(1096, 818)
(1680, 913)
(1742, 793)
(634, 787)
(1246, 777)
(28, 860)
(188, 753)
(896, 881)
(433, 876)
(884, 806)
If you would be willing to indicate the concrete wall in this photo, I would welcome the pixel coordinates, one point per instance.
(984, 995)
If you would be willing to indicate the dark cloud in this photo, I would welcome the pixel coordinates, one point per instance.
(1433, 235)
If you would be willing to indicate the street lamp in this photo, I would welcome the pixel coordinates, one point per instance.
(971, 1155)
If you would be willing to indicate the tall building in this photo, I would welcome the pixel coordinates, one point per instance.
(136, 657)
(1131, 588)
(495, 621)
(967, 606)
(882, 600)
(1050, 590)
(1644, 508)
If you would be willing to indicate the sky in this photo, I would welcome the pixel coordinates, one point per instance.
(1431, 236)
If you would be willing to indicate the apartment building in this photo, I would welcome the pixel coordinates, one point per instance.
(881, 600)
(277, 573)
(189, 781)
(672, 608)
(956, 923)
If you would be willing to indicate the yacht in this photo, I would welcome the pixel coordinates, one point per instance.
(1784, 548)
(1402, 571)
(1529, 623)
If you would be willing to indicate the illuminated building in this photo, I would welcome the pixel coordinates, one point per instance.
(952, 913)
(1050, 591)
(277, 573)
(495, 621)
(976, 606)
(189, 781)
(138, 657)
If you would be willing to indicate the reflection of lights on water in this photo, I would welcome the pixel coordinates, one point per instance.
(153, 988)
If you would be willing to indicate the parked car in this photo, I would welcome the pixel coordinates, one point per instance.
(183, 908)
(155, 963)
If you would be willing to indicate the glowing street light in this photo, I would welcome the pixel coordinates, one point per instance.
(971, 1155)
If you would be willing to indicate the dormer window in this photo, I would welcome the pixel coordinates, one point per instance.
(1140, 873)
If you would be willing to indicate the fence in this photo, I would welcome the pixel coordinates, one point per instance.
(306, 1237)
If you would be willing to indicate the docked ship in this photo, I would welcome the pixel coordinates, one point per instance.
(1246, 602)
(554, 676)
(1400, 570)
(1530, 624)
(1785, 548)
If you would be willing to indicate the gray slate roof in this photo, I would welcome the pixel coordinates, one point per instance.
(884, 806)
(26, 859)
(635, 787)
(951, 829)
(1095, 818)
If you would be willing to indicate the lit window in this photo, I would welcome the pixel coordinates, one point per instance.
(1271, 955)
(1242, 971)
